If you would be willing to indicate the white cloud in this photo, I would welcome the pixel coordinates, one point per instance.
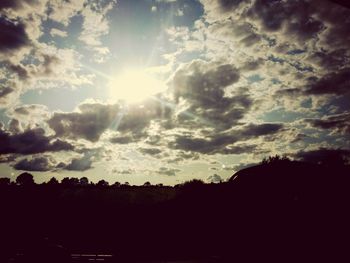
(57, 32)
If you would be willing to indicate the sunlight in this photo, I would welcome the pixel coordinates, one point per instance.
(134, 85)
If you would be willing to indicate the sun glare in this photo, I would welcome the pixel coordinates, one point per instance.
(134, 86)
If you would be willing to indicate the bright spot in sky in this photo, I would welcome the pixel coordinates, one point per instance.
(134, 85)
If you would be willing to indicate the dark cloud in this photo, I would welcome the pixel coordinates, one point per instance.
(79, 164)
(123, 139)
(252, 65)
(89, 123)
(14, 126)
(332, 83)
(325, 156)
(4, 91)
(330, 60)
(168, 171)
(150, 151)
(93, 119)
(13, 35)
(339, 123)
(46, 67)
(344, 3)
(204, 83)
(227, 5)
(22, 110)
(15, 4)
(271, 14)
(293, 18)
(129, 171)
(289, 22)
(242, 33)
(20, 70)
(30, 109)
(299, 137)
(31, 142)
(84, 162)
(181, 156)
(137, 117)
(222, 142)
(40, 164)
(255, 130)
(203, 86)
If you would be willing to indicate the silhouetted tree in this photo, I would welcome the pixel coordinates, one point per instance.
(102, 183)
(194, 183)
(84, 181)
(70, 181)
(116, 184)
(25, 179)
(147, 184)
(126, 184)
(5, 181)
(275, 159)
(53, 181)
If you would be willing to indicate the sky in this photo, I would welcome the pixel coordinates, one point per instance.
(167, 91)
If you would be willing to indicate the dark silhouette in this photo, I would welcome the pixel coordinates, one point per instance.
(25, 179)
(53, 181)
(5, 181)
(102, 183)
(278, 211)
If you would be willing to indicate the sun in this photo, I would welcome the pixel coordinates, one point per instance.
(134, 85)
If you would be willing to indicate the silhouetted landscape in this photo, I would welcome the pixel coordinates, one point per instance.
(174, 131)
(277, 211)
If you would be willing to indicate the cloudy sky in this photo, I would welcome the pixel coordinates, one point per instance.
(169, 90)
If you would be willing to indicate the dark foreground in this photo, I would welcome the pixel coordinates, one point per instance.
(280, 212)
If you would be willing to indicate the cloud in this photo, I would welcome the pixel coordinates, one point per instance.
(4, 91)
(17, 4)
(128, 171)
(40, 164)
(30, 142)
(332, 83)
(205, 96)
(204, 83)
(7, 158)
(253, 130)
(150, 151)
(30, 115)
(14, 126)
(224, 143)
(95, 25)
(57, 32)
(84, 162)
(63, 11)
(214, 179)
(123, 139)
(30, 109)
(81, 164)
(168, 171)
(137, 117)
(13, 35)
(325, 156)
(339, 123)
(89, 122)
(53, 66)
